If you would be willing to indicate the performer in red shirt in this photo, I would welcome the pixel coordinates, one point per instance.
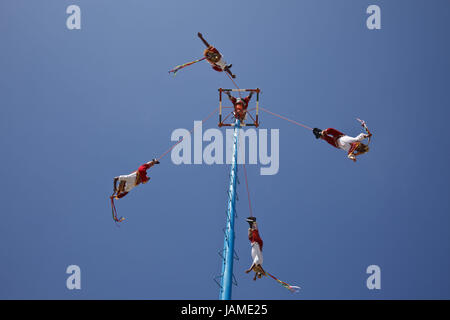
(214, 58)
(257, 245)
(352, 145)
(240, 105)
(128, 182)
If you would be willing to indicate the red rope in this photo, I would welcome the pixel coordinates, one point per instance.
(248, 192)
(287, 119)
(231, 113)
(237, 87)
(170, 149)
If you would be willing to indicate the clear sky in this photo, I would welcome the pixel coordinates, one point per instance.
(78, 107)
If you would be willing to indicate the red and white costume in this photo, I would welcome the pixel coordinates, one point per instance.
(257, 245)
(218, 65)
(135, 178)
(341, 141)
(240, 110)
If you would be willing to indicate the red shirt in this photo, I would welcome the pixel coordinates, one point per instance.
(142, 171)
(245, 101)
(254, 237)
(240, 110)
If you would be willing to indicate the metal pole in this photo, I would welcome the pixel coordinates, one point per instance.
(228, 245)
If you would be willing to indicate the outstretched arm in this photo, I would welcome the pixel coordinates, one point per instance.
(203, 39)
(251, 268)
(247, 98)
(232, 99)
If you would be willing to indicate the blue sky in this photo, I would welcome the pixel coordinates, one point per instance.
(80, 107)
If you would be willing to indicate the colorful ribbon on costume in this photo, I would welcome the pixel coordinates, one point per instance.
(181, 66)
(364, 125)
(353, 147)
(114, 211)
(293, 289)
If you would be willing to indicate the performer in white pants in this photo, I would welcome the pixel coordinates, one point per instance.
(215, 59)
(257, 255)
(129, 181)
(353, 146)
(257, 245)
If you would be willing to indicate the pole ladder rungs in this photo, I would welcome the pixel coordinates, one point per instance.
(239, 90)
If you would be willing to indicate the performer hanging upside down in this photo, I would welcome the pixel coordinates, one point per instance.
(257, 245)
(240, 105)
(214, 58)
(128, 182)
(337, 139)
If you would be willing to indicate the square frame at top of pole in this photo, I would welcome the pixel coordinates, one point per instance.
(255, 122)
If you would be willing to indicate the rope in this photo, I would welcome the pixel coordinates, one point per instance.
(287, 119)
(248, 192)
(231, 113)
(179, 141)
(237, 87)
(245, 170)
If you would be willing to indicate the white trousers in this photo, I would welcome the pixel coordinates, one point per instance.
(221, 63)
(345, 142)
(257, 255)
(130, 181)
